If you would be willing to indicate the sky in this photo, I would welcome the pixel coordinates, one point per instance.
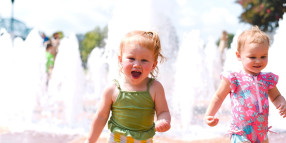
(208, 16)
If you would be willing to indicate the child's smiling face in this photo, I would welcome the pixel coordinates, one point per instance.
(254, 56)
(137, 62)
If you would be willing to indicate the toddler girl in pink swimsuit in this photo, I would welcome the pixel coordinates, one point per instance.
(249, 90)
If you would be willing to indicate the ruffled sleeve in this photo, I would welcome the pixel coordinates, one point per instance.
(230, 76)
(270, 79)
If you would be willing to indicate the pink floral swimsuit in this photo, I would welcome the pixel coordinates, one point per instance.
(249, 101)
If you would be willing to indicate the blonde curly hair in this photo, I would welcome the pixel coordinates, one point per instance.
(254, 35)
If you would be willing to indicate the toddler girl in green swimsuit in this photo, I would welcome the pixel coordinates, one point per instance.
(135, 97)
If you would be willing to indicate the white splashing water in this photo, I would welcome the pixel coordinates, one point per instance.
(22, 78)
(188, 80)
(67, 83)
(276, 54)
(97, 73)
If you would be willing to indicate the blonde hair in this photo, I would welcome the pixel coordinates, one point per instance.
(253, 35)
(146, 39)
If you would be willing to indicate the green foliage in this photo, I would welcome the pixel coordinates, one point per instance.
(91, 40)
(263, 13)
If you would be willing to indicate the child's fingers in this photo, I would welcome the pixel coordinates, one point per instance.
(283, 114)
(282, 111)
(211, 120)
(162, 126)
(158, 128)
(277, 107)
(215, 121)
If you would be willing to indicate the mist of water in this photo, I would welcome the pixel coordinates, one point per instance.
(190, 76)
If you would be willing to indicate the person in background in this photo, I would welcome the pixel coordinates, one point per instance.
(55, 40)
(50, 59)
(135, 98)
(249, 91)
(46, 39)
(223, 42)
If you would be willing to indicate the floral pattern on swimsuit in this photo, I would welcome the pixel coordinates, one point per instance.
(249, 101)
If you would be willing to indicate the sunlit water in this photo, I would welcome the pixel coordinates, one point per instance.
(190, 76)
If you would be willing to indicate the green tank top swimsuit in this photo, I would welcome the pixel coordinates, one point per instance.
(133, 113)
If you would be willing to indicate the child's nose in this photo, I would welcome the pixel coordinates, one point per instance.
(258, 60)
(137, 63)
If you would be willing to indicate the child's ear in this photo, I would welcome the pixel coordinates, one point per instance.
(238, 55)
(120, 59)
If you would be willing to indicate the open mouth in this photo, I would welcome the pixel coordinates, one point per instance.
(256, 66)
(135, 74)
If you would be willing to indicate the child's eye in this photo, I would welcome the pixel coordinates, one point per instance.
(132, 59)
(144, 60)
(263, 57)
(252, 57)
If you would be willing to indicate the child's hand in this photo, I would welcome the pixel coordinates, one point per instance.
(162, 125)
(211, 120)
(282, 109)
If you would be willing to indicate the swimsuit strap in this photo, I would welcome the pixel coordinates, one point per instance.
(149, 83)
(117, 84)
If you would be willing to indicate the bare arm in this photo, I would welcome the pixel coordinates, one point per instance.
(102, 114)
(278, 100)
(163, 122)
(216, 102)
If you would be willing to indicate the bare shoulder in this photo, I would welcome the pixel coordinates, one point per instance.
(111, 87)
(156, 89)
(111, 91)
(156, 85)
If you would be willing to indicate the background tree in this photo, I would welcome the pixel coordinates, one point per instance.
(91, 40)
(263, 13)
